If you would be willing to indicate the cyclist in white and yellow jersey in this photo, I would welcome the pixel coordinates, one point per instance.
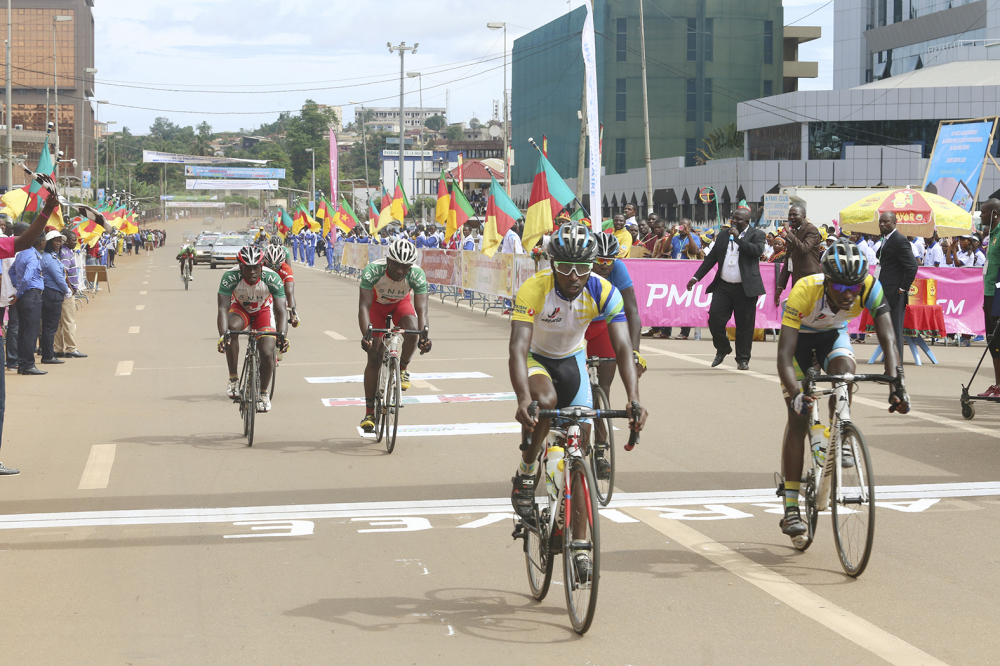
(547, 361)
(814, 330)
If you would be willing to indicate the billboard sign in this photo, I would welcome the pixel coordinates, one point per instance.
(198, 184)
(231, 172)
(956, 165)
(776, 206)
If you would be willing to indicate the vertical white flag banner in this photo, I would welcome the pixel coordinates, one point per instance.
(593, 120)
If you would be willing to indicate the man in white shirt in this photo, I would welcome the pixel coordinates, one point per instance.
(511, 243)
(919, 247)
(934, 255)
(865, 248)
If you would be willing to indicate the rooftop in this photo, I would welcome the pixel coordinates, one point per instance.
(959, 74)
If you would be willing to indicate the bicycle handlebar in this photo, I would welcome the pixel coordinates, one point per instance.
(898, 382)
(422, 333)
(578, 413)
(259, 334)
(595, 361)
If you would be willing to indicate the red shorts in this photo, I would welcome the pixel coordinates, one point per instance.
(255, 321)
(378, 312)
(598, 340)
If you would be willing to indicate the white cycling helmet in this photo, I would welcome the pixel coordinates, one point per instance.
(403, 252)
(274, 255)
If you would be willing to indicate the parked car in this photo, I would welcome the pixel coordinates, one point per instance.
(225, 250)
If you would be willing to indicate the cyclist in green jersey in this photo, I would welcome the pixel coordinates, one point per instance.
(385, 290)
(186, 255)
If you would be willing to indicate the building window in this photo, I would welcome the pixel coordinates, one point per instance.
(768, 42)
(708, 39)
(708, 100)
(619, 155)
(779, 142)
(621, 45)
(768, 88)
(689, 152)
(692, 101)
(692, 34)
(620, 99)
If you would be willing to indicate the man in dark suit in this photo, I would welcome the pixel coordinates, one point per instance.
(736, 286)
(896, 270)
(805, 247)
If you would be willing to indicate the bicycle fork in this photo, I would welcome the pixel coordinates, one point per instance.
(842, 415)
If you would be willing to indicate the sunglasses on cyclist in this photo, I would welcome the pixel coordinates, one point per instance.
(847, 288)
(600, 261)
(568, 268)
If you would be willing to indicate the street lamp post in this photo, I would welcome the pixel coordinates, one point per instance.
(97, 178)
(364, 141)
(55, 78)
(402, 48)
(506, 139)
(107, 162)
(312, 191)
(420, 181)
(10, 115)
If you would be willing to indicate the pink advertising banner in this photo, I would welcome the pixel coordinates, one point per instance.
(663, 299)
(334, 173)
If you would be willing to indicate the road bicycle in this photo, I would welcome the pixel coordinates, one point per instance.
(839, 475)
(602, 454)
(388, 391)
(570, 487)
(249, 384)
(186, 273)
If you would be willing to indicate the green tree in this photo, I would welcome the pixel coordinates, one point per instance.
(436, 123)
(721, 143)
(455, 133)
(204, 129)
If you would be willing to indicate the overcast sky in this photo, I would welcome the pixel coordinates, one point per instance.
(155, 54)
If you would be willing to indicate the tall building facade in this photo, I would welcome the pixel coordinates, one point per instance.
(879, 39)
(51, 37)
(387, 117)
(703, 57)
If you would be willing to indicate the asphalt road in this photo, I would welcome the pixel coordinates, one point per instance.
(143, 530)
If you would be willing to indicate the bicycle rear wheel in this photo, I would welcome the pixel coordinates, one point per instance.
(602, 454)
(852, 500)
(253, 388)
(392, 404)
(242, 394)
(582, 539)
(274, 378)
(537, 551)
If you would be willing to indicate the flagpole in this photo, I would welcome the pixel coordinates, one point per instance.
(577, 200)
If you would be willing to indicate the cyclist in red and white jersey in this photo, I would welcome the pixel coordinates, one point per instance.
(276, 259)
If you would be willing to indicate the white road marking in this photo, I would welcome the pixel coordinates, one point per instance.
(124, 368)
(488, 520)
(356, 379)
(140, 307)
(293, 527)
(426, 399)
(375, 510)
(335, 335)
(145, 283)
(840, 620)
(616, 516)
(98, 470)
(423, 384)
(143, 293)
(924, 416)
(448, 429)
(133, 329)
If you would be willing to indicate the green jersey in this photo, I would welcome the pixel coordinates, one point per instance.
(387, 290)
(992, 264)
(252, 297)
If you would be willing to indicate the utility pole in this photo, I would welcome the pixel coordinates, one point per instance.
(10, 116)
(645, 112)
(402, 48)
(420, 181)
(364, 141)
(506, 135)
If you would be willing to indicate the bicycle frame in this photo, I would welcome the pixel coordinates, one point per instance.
(569, 439)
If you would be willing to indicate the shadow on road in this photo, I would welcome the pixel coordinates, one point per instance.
(234, 440)
(491, 614)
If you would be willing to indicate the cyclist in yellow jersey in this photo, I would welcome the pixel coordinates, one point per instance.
(548, 353)
(814, 330)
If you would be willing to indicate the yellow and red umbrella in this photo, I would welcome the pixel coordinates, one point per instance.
(917, 214)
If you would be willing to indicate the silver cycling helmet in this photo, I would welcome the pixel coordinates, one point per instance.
(403, 252)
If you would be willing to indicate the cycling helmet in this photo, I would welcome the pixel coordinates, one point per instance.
(573, 242)
(275, 240)
(251, 256)
(274, 255)
(843, 263)
(607, 246)
(403, 252)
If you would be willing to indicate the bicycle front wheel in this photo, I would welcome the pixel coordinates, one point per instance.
(392, 405)
(378, 415)
(852, 499)
(274, 378)
(252, 391)
(811, 512)
(602, 454)
(537, 550)
(581, 548)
